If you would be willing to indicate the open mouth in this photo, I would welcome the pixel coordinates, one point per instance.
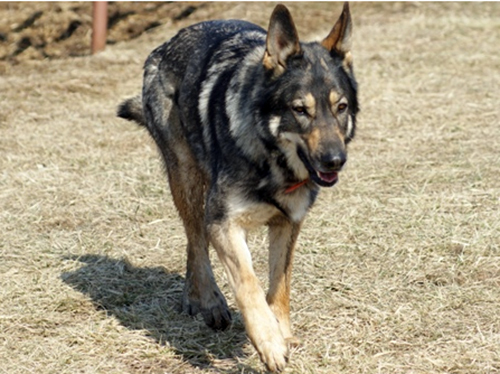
(330, 177)
(321, 178)
(327, 179)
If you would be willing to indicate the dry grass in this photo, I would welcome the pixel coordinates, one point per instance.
(398, 267)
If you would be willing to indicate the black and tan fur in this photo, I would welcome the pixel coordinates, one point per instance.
(250, 124)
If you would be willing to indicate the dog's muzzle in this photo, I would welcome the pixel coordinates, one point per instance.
(324, 170)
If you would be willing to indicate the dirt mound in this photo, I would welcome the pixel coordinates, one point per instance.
(55, 30)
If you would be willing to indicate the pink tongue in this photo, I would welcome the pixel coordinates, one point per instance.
(328, 177)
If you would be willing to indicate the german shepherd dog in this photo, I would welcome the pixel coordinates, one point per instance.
(250, 124)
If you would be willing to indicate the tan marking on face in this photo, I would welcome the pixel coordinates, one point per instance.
(314, 139)
(334, 98)
(340, 134)
(310, 104)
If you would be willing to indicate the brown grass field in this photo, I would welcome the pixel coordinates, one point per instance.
(397, 268)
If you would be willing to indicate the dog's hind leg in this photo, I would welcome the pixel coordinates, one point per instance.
(282, 238)
(201, 293)
(187, 184)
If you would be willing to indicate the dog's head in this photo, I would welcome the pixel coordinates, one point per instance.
(311, 96)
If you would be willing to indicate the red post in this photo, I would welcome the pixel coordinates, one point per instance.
(99, 25)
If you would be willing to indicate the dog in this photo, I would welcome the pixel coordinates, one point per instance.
(250, 125)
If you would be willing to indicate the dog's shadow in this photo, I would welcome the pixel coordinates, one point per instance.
(148, 299)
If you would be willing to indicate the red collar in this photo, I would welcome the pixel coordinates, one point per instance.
(295, 186)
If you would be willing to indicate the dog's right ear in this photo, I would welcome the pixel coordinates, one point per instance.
(282, 41)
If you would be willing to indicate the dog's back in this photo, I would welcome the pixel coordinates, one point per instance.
(173, 79)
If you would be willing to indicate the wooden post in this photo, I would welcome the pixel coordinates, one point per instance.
(99, 25)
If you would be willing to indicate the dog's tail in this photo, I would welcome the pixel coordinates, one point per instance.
(131, 109)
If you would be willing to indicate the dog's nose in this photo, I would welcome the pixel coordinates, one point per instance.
(333, 161)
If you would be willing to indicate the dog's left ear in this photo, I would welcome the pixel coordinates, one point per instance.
(282, 40)
(339, 40)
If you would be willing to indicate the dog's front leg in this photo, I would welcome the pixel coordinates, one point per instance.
(282, 238)
(261, 324)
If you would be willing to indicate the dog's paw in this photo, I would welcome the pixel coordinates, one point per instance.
(214, 310)
(274, 354)
(216, 315)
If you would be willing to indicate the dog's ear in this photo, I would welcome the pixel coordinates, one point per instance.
(282, 40)
(339, 40)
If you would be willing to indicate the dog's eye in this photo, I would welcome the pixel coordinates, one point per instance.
(341, 107)
(300, 109)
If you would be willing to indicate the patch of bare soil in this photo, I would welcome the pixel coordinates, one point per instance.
(56, 30)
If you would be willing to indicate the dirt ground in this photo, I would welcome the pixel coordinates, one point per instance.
(33, 30)
(397, 268)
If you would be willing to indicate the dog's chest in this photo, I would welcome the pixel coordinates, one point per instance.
(252, 214)
(297, 203)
